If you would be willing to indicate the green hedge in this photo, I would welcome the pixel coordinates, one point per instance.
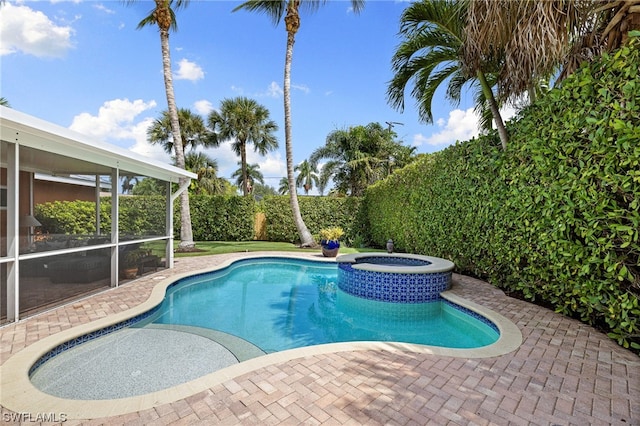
(317, 213)
(72, 217)
(219, 218)
(444, 205)
(555, 218)
(213, 218)
(138, 216)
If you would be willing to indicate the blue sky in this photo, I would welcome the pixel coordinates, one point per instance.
(84, 65)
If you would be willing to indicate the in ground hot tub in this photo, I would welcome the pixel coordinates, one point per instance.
(394, 277)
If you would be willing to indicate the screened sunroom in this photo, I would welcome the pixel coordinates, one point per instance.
(50, 253)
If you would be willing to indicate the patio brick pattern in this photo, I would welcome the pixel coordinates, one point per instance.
(564, 373)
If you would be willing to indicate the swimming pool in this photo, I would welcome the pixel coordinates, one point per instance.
(28, 397)
(278, 304)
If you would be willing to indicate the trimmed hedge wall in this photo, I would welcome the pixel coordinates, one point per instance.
(317, 213)
(213, 218)
(219, 218)
(138, 216)
(555, 218)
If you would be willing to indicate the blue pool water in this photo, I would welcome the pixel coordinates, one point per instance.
(279, 304)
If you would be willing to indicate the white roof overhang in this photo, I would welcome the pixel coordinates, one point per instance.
(74, 153)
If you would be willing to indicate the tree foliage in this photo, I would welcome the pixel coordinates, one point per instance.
(430, 55)
(307, 176)
(288, 10)
(359, 156)
(556, 218)
(242, 121)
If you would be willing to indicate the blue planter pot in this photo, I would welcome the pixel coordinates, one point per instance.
(330, 248)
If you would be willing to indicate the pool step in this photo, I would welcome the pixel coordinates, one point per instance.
(240, 348)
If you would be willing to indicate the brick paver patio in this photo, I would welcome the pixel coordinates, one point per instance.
(564, 373)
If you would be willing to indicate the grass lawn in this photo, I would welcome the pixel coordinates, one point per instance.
(219, 247)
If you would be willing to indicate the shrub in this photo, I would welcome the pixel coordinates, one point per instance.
(140, 215)
(220, 218)
(331, 234)
(555, 218)
(317, 213)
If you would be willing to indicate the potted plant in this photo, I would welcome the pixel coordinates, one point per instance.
(129, 261)
(330, 240)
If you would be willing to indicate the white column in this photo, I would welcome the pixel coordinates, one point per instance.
(115, 176)
(13, 232)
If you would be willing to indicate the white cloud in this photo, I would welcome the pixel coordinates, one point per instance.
(271, 165)
(461, 125)
(508, 112)
(117, 120)
(138, 132)
(23, 29)
(301, 87)
(188, 70)
(274, 90)
(203, 107)
(104, 8)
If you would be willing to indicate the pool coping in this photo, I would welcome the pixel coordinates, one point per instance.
(25, 397)
(436, 264)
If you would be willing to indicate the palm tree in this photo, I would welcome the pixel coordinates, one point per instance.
(530, 36)
(163, 16)
(358, 157)
(128, 183)
(307, 177)
(149, 186)
(283, 187)
(620, 17)
(247, 175)
(245, 121)
(536, 37)
(260, 191)
(289, 9)
(207, 170)
(323, 180)
(4, 101)
(193, 132)
(396, 156)
(433, 35)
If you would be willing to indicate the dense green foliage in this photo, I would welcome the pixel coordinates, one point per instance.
(66, 217)
(215, 217)
(221, 218)
(441, 205)
(555, 218)
(142, 215)
(317, 212)
(359, 156)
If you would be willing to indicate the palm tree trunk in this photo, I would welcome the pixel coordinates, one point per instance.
(495, 111)
(186, 233)
(243, 164)
(306, 240)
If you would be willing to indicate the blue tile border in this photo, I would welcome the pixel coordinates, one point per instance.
(393, 286)
(90, 336)
(398, 261)
(473, 314)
